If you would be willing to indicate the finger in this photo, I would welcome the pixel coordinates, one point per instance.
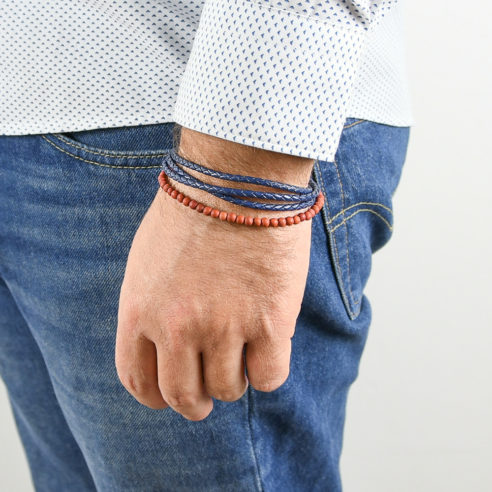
(136, 364)
(181, 381)
(223, 367)
(267, 362)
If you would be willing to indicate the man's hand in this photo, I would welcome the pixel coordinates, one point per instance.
(197, 289)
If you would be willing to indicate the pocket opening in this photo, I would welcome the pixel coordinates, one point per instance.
(357, 215)
(137, 147)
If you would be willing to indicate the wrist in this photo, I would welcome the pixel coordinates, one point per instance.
(231, 157)
(229, 216)
(210, 200)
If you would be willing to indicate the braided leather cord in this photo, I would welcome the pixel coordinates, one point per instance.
(304, 197)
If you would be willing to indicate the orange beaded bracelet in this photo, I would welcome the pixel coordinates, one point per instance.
(235, 218)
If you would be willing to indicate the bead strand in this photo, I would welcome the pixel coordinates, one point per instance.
(238, 218)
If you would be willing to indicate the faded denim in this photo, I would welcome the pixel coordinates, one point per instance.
(69, 207)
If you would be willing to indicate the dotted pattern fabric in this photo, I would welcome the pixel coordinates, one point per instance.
(341, 12)
(282, 75)
(381, 92)
(84, 64)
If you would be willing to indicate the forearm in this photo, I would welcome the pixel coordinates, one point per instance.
(228, 156)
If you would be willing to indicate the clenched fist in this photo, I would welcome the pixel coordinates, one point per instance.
(197, 289)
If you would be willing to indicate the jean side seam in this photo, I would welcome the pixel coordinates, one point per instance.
(106, 154)
(98, 163)
(249, 411)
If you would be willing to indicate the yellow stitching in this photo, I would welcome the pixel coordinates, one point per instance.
(107, 154)
(337, 258)
(344, 222)
(95, 162)
(363, 210)
(353, 124)
(346, 236)
(356, 205)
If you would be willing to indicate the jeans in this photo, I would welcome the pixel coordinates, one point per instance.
(70, 205)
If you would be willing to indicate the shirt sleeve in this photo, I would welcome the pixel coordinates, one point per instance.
(275, 74)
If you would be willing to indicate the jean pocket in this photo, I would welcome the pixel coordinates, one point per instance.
(130, 147)
(358, 216)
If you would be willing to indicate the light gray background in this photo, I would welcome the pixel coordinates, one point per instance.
(419, 415)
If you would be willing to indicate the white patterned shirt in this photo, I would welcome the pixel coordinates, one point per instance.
(282, 75)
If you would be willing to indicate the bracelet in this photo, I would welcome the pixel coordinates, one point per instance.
(235, 218)
(298, 197)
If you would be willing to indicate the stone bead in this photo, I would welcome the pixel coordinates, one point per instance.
(231, 217)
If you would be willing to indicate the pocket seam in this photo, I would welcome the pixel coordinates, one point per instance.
(355, 123)
(328, 221)
(375, 204)
(332, 238)
(96, 163)
(345, 220)
(105, 153)
(342, 193)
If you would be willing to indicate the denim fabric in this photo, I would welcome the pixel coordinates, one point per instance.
(69, 208)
